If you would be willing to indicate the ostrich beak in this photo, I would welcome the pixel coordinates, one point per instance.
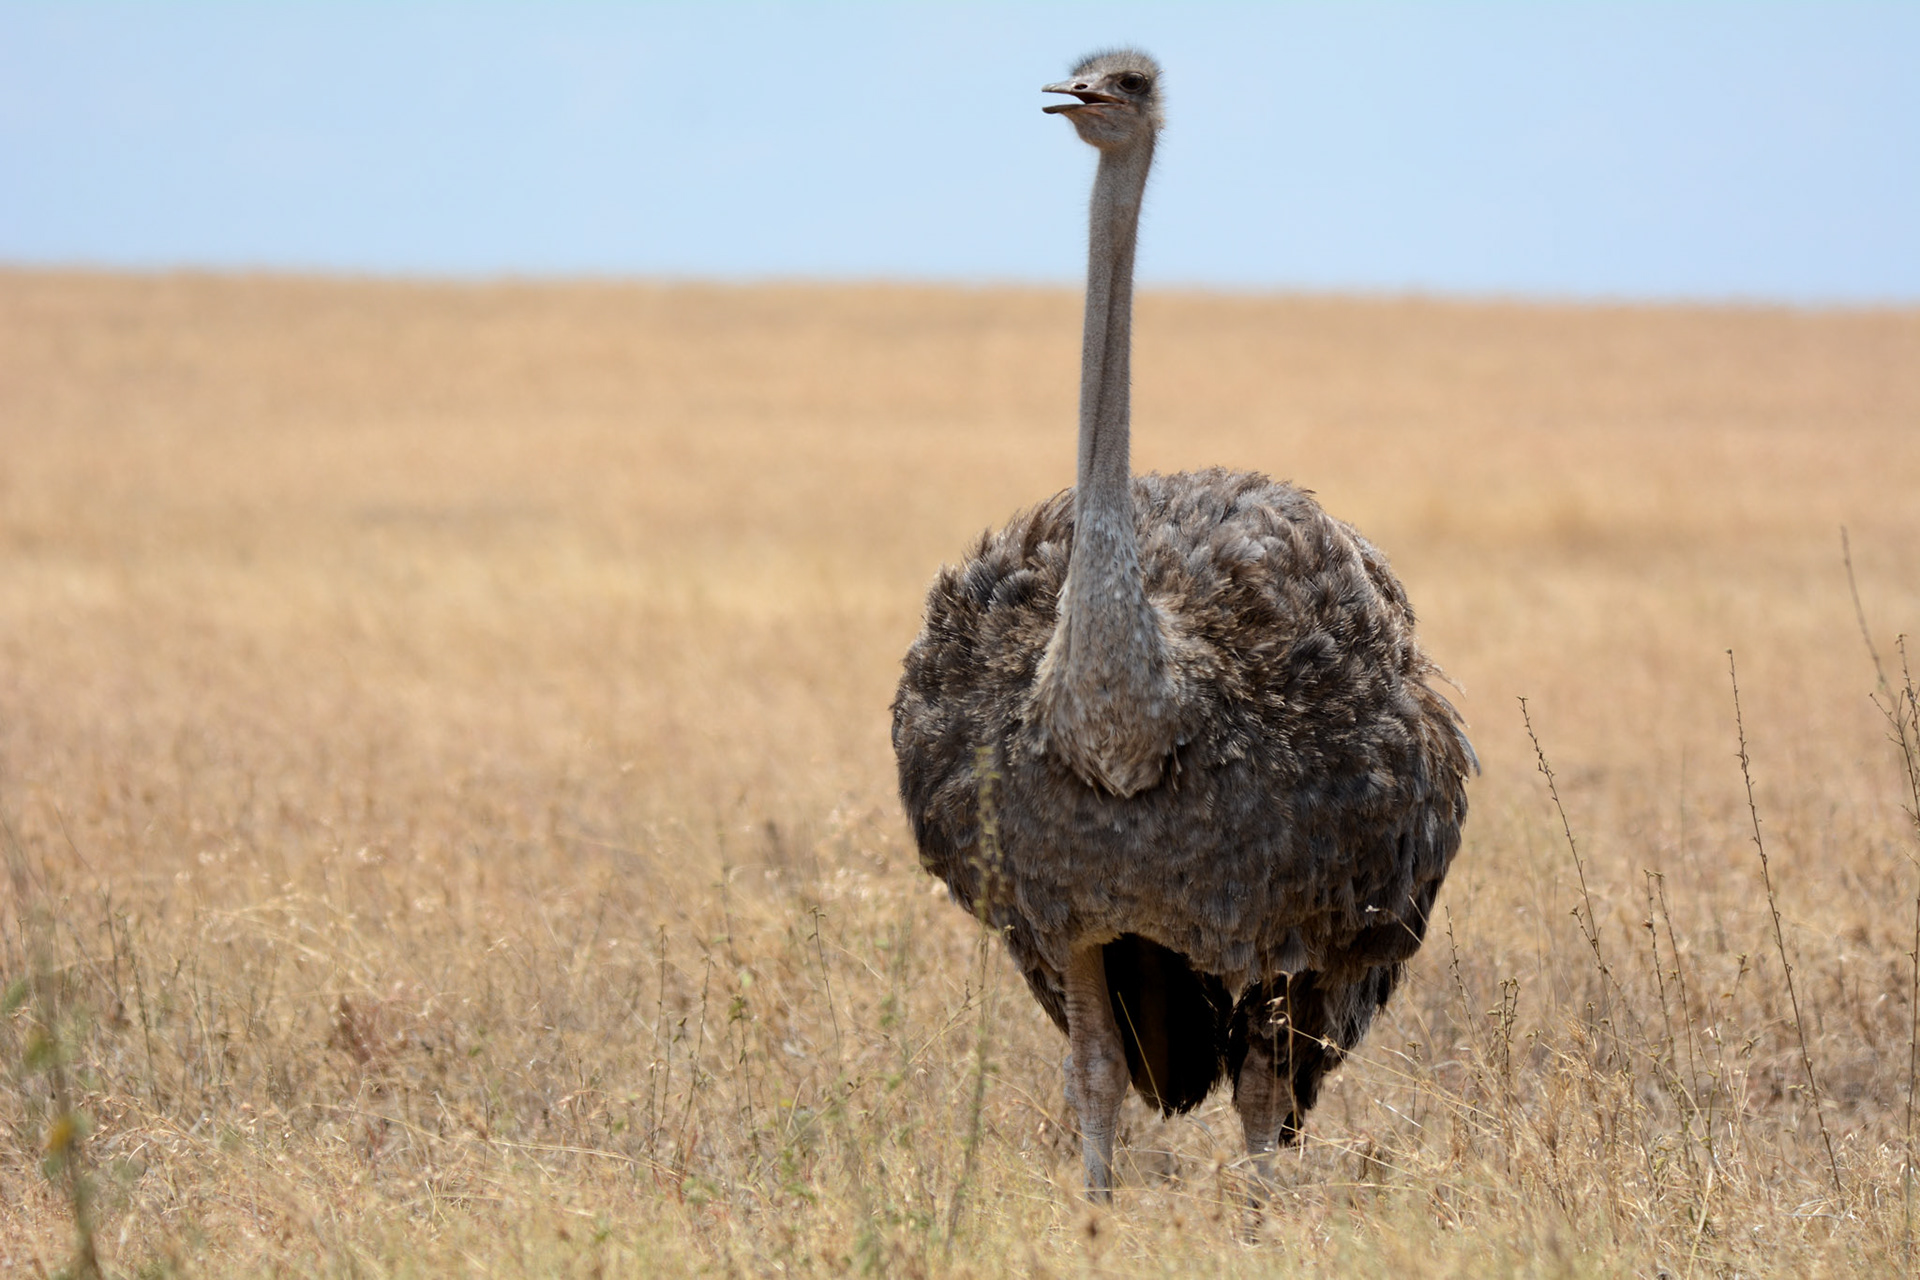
(1088, 96)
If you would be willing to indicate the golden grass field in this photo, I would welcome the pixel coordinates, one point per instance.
(444, 747)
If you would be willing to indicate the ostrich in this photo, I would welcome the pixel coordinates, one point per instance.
(1173, 738)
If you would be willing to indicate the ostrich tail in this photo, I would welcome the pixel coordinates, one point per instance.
(1173, 1022)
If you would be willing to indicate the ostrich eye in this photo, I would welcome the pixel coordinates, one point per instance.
(1133, 82)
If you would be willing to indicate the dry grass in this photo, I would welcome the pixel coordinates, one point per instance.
(443, 736)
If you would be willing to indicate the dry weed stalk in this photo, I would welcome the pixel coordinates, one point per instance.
(1697, 1108)
(1666, 1064)
(1900, 708)
(826, 977)
(1617, 1008)
(1913, 1070)
(1498, 1048)
(1780, 938)
(1583, 913)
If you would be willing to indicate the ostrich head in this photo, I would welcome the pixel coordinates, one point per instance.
(1119, 96)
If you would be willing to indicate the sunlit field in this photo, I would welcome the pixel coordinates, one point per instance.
(451, 822)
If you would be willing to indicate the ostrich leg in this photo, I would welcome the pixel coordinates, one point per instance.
(1265, 1092)
(1265, 1102)
(1096, 1066)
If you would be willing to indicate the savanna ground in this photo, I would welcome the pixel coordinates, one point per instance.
(451, 823)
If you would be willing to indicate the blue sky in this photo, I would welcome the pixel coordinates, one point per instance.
(1652, 150)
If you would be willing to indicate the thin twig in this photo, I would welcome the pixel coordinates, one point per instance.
(1622, 1048)
(1589, 926)
(1779, 936)
(1860, 615)
(660, 1088)
(1905, 719)
(1913, 1071)
(1909, 718)
(1659, 974)
(1686, 1014)
(1901, 710)
(693, 1070)
(826, 978)
(1903, 716)
(1484, 1056)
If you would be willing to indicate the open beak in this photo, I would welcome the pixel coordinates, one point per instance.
(1078, 88)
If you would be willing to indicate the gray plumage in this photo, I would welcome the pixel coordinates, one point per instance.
(1191, 709)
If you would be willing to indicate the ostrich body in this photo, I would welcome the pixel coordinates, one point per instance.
(1173, 737)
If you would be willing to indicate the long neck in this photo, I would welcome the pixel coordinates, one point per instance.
(1102, 495)
(1105, 683)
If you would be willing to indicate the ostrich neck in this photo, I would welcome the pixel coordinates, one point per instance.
(1103, 487)
(1105, 689)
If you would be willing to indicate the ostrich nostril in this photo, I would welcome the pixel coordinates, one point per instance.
(1081, 85)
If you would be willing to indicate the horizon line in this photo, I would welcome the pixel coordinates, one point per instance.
(427, 278)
